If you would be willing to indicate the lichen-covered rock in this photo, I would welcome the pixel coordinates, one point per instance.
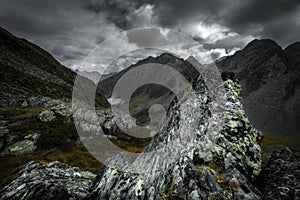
(48, 181)
(220, 161)
(21, 147)
(281, 177)
(13, 143)
(46, 116)
(62, 109)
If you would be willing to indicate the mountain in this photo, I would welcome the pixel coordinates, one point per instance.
(27, 71)
(179, 64)
(270, 77)
(150, 94)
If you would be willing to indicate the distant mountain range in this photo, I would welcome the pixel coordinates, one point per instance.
(269, 75)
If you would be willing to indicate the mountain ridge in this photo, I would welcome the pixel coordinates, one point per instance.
(268, 75)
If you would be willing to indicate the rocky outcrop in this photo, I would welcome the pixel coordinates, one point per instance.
(48, 181)
(281, 177)
(219, 162)
(217, 157)
(13, 143)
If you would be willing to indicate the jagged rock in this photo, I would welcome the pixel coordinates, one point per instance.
(48, 181)
(220, 164)
(281, 177)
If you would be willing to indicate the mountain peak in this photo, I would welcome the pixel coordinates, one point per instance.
(293, 47)
(168, 56)
(292, 53)
(4, 32)
(261, 44)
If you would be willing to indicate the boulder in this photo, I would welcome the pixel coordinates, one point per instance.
(48, 181)
(281, 177)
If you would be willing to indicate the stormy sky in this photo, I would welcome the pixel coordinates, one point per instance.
(70, 29)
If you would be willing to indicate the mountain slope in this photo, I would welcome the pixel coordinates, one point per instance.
(270, 79)
(150, 94)
(35, 109)
(26, 70)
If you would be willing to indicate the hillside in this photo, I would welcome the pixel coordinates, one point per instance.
(269, 76)
(35, 108)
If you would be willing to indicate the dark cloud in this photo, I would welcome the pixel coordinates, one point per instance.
(69, 29)
(65, 28)
(259, 12)
(271, 19)
(146, 38)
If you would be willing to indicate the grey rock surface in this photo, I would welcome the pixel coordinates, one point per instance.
(218, 163)
(281, 177)
(48, 181)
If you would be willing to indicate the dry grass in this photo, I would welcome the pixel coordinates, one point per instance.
(77, 156)
(292, 142)
(23, 113)
(268, 140)
(11, 165)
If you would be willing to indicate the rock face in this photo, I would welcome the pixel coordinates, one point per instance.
(48, 181)
(219, 163)
(269, 76)
(281, 177)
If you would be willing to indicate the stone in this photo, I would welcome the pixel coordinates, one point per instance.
(48, 181)
(46, 116)
(281, 177)
(23, 103)
(21, 147)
